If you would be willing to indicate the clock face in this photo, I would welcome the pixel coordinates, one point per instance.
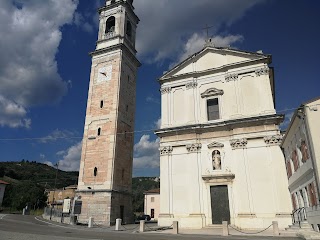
(104, 73)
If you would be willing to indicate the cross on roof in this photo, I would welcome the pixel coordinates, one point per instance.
(207, 29)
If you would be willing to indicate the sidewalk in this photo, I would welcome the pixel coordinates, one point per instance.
(217, 231)
(152, 228)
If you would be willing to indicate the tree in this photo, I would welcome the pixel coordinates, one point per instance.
(2, 171)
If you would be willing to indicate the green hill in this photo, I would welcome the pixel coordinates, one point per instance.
(139, 186)
(28, 180)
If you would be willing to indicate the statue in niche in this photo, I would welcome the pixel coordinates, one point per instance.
(216, 160)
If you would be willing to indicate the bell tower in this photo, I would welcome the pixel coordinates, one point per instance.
(105, 175)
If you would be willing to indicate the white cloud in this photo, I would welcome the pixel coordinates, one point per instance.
(146, 153)
(30, 37)
(157, 123)
(12, 114)
(57, 135)
(153, 99)
(167, 25)
(196, 42)
(81, 22)
(285, 124)
(48, 163)
(71, 159)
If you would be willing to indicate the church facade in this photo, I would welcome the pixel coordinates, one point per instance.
(220, 158)
(105, 175)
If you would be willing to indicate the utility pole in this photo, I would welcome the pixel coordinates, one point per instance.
(54, 189)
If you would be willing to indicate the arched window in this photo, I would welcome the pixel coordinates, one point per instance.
(110, 25)
(129, 29)
(99, 131)
(312, 195)
(295, 160)
(101, 104)
(289, 170)
(304, 151)
(95, 171)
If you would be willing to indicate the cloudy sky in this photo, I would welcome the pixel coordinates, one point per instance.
(45, 66)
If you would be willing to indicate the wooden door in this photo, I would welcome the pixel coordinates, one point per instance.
(219, 204)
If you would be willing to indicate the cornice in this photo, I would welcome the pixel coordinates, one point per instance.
(273, 140)
(117, 4)
(222, 125)
(166, 150)
(224, 68)
(120, 46)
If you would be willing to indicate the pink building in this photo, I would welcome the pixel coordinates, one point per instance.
(2, 189)
(152, 203)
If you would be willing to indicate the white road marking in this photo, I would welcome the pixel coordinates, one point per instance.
(2, 216)
(58, 225)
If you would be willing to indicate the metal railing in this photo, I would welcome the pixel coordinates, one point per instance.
(53, 212)
(299, 215)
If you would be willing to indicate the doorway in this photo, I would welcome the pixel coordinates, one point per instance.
(220, 204)
(122, 213)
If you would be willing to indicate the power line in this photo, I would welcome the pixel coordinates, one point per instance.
(50, 138)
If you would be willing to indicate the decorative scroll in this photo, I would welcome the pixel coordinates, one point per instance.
(238, 143)
(273, 140)
(262, 71)
(231, 77)
(212, 92)
(194, 147)
(166, 150)
(192, 84)
(215, 145)
(165, 90)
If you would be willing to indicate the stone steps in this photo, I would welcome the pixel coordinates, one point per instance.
(214, 226)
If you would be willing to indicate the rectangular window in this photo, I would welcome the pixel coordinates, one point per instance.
(152, 199)
(152, 213)
(213, 109)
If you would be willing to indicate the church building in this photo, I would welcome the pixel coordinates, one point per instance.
(220, 158)
(105, 175)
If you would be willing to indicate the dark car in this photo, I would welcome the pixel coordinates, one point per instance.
(144, 217)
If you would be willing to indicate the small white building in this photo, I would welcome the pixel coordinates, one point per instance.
(220, 158)
(301, 147)
(152, 203)
(3, 185)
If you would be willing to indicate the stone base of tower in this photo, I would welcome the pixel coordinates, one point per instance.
(105, 207)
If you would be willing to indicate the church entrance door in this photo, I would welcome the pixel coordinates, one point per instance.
(219, 204)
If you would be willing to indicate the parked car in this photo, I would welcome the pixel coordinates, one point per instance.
(144, 217)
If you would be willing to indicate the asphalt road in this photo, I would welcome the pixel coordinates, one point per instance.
(18, 227)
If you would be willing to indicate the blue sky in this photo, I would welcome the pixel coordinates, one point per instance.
(45, 66)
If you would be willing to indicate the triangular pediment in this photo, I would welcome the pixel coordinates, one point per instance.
(211, 58)
(215, 145)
